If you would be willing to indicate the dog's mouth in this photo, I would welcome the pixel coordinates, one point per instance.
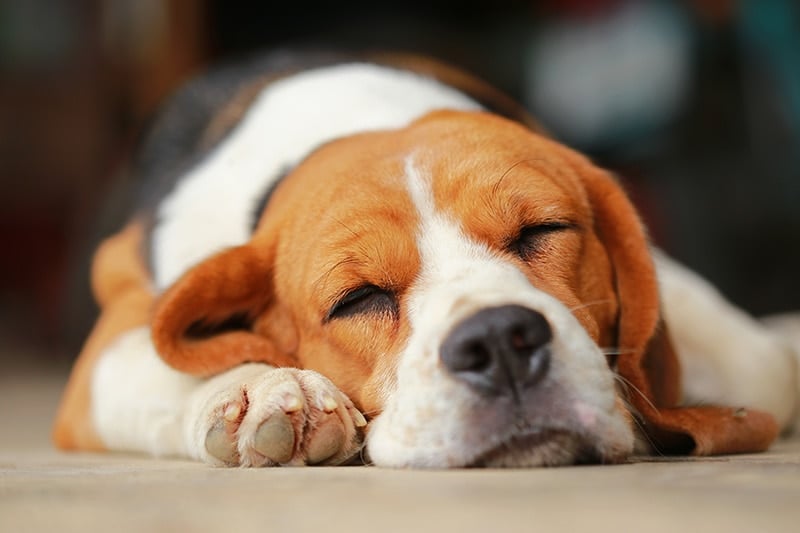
(553, 447)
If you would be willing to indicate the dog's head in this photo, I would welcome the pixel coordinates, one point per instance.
(467, 283)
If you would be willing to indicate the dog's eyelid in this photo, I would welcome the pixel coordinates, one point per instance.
(543, 228)
(351, 295)
(367, 298)
(550, 225)
(526, 242)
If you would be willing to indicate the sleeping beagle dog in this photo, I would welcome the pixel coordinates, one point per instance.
(384, 259)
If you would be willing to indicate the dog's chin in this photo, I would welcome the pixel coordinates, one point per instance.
(544, 448)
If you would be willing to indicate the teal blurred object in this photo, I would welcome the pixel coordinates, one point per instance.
(37, 34)
(769, 32)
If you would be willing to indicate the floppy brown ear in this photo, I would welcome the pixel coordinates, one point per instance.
(619, 228)
(650, 366)
(202, 324)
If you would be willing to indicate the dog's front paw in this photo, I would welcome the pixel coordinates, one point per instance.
(279, 416)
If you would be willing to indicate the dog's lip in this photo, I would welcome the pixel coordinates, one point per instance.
(562, 444)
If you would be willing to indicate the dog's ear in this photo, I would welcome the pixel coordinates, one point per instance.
(202, 325)
(623, 235)
(649, 365)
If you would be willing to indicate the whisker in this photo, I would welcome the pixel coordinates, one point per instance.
(362, 456)
(635, 415)
(642, 430)
(628, 385)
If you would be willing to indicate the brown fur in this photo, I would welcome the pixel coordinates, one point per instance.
(323, 237)
(608, 264)
(122, 289)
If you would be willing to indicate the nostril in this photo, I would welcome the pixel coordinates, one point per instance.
(478, 357)
(519, 341)
(467, 356)
(528, 333)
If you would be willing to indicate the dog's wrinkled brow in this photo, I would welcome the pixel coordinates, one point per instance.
(320, 284)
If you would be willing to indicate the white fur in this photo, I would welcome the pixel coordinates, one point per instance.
(434, 420)
(727, 357)
(138, 401)
(140, 404)
(212, 206)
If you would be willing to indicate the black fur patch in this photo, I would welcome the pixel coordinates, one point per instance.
(173, 143)
(261, 205)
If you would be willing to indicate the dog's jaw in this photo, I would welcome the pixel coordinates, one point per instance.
(433, 420)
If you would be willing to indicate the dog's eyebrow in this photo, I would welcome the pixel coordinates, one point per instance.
(496, 185)
(560, 176)
(318, 285)
(345, 226)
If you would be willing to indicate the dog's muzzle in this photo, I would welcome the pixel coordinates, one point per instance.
(500, 350)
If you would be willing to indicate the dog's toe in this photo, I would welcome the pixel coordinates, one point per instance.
(220, 441)
(220, 444)
(275, 439)
(279, 417)
(326, 441)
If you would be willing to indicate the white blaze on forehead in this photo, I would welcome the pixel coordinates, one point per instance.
(449, 257)
(432, 418)
(446, 253)
(212, 206)
(435, 232)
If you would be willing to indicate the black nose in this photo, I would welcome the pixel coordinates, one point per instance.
(499, 350)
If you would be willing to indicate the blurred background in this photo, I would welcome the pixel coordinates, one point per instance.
(695, 104)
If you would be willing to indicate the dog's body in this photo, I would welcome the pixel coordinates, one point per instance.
(330, 237)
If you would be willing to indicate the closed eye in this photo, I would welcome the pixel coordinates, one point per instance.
(532, 239)
(368, 299)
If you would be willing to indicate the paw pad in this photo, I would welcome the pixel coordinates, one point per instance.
(278, 417)
(274, 438)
